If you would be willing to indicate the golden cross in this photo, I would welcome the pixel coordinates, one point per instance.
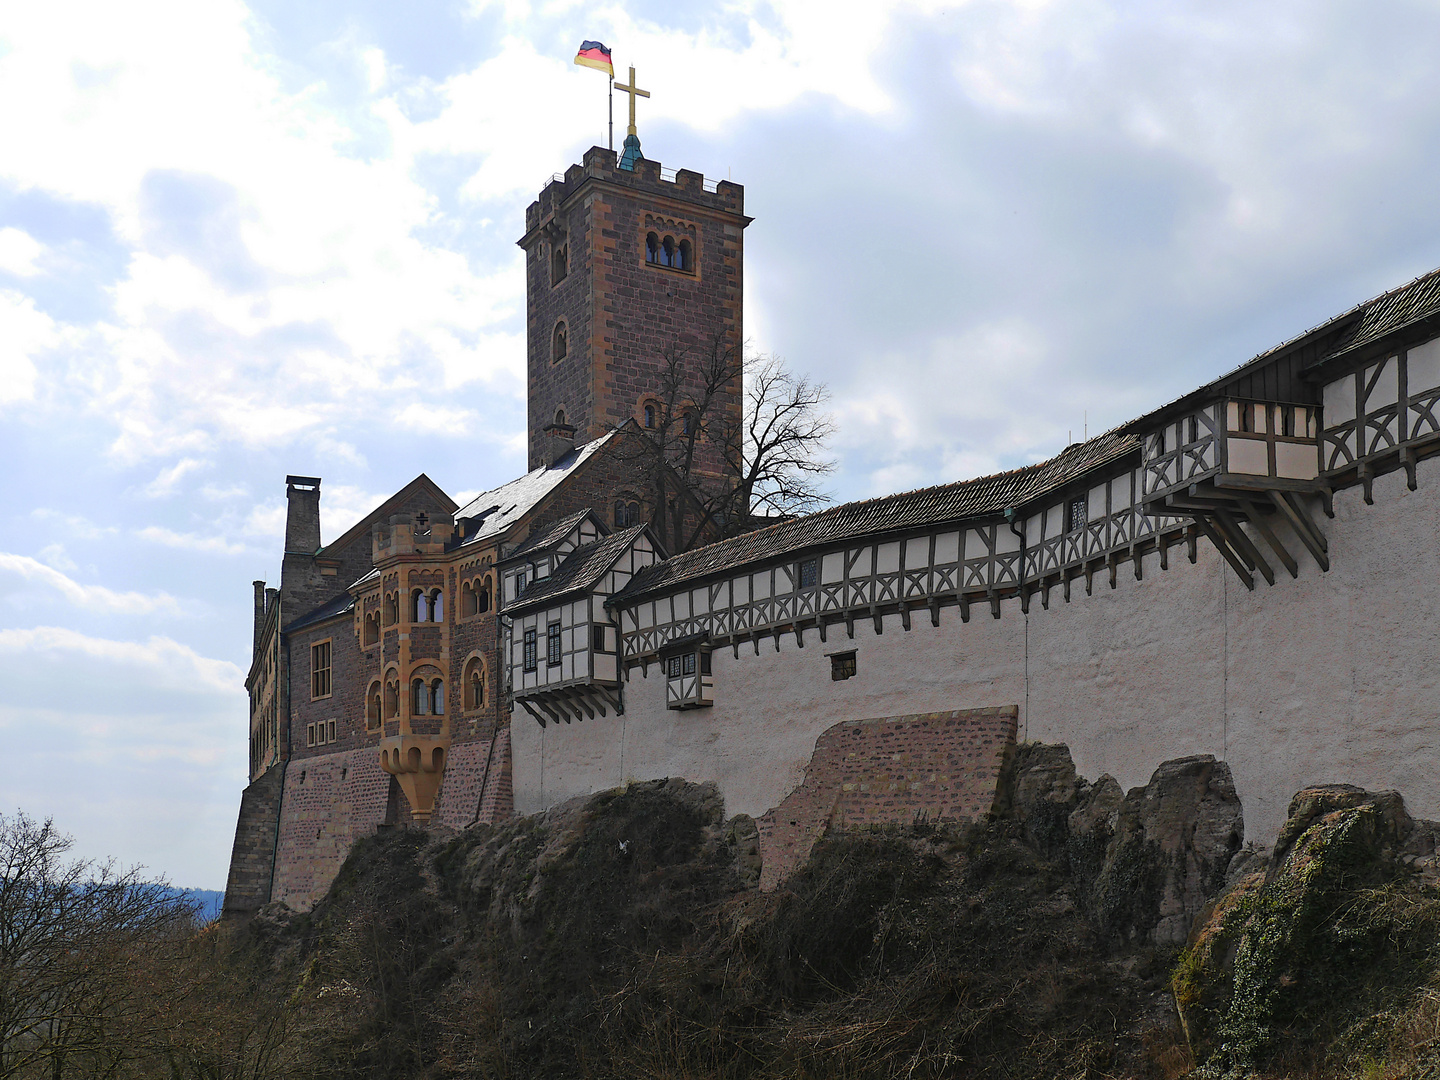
(634, 92)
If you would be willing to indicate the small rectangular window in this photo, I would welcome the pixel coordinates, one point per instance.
(320, 670)
(809, 573)
(330, 731)
(842, 666)
(1077, 512)
(530, 650)
(688, 664)
(309, 734)
(519, 585)
(598, 637)
(672, 667)
(704, 663)
(552, 644)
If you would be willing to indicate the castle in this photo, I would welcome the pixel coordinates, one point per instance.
(1251, 571)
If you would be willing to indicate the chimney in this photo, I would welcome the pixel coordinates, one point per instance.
(559, 439)
(302, 521)
(259, 613)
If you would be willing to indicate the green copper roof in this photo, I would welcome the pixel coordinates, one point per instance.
(631, 153)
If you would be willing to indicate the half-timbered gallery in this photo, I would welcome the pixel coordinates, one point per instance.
(1251, 571)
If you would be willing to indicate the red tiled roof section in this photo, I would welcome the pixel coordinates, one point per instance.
(983, 496)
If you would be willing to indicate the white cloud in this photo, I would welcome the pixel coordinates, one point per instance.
(24, 333)
(87, 597)
(18, 252)
(55, 555)
(165, 482)
(216, 545)
(175, 664)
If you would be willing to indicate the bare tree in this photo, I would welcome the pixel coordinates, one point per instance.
(77, 941)
(718, 462)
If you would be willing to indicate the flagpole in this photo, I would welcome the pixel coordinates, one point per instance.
(612, 110)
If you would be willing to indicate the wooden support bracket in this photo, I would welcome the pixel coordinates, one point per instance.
(1224, 549)
(1065, 583)
(1024, 598)
(964, 602)
(934, 611)
(1089, 580)
(1112, 563)
(1236, 535)
(1407, 459)
(879, 619)
(1163, 543)
(799, 636)
(820, 625)
(1367, 478)
(1135, 561)
(905, 615)
(1252, 512)
(994, 603)
(1191, 532)
(1304, 528)
(538, 718)
(776, 634)
(1045, 594)
(849, 623)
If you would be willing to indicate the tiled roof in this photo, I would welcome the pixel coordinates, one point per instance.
(982, 497)
(501, 507)
(553, 535)
(585, 566)
(1394, 309)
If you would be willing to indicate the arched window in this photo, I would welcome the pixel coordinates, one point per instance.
(482, 597)
(652, 248)
(559, 263)
(560, 418)
(667, 251)
(559, 343)
(417, 606)
(437, 698)
(684, 257)
(419, 698)
(437, 605)
(689, 423)
(372, 707)
(467, 599)
(627, 511)
(372, 628)
(475, 684)
(392, 609)
(649, 416)
(392, 700)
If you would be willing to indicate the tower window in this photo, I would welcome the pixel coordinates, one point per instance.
(559, 343)
(667, 251)
(419, 698)
(684, 257)
(649, 415)
(552, 645)
(559, 263)
(437, 698)
(560, 418)
(652, 248)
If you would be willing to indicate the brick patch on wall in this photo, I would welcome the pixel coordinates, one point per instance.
(330, 802)
(474, 773)
(944, 765)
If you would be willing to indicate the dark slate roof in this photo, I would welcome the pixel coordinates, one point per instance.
(337, 606)
(585, 566)
(501, 507)
(1393, 310)
(552, 535)
(985, 496)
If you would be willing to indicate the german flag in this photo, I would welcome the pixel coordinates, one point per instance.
(592, 54)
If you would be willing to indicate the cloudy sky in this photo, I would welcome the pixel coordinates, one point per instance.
(239, 241)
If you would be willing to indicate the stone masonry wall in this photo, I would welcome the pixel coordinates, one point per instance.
(251, 859)
(943, 765)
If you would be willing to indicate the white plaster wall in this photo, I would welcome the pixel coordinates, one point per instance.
(1325, 678)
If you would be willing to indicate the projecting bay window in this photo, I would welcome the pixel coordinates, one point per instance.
(688, 681)
(1272, 439)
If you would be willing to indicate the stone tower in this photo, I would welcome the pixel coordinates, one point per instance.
(622, 265)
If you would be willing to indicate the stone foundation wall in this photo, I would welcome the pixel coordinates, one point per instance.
(252, 858)
(944, 765)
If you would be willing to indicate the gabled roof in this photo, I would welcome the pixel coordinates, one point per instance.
(501, 507)
(985, 496)
(421, 483)
(552, 535)
(580, 572)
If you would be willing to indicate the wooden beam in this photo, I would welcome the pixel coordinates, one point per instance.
(1162, 541)
(1190, 534)
(1135, 560)
(1024, 598)
(820, 624)
(1224, 549)
(964, 602)
(1065, 582)
(1367, 476)
(799, 635)
(994, 604)
(579, 701)
(1303, 527)
(1112, 562)
(879, 619)
(904, 615)
(934, 611)
(1407, 459)
(1045, 585)
(1252, 512)
(849, 623)
(538, 718)
(1250, 551)
(1089, 579)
